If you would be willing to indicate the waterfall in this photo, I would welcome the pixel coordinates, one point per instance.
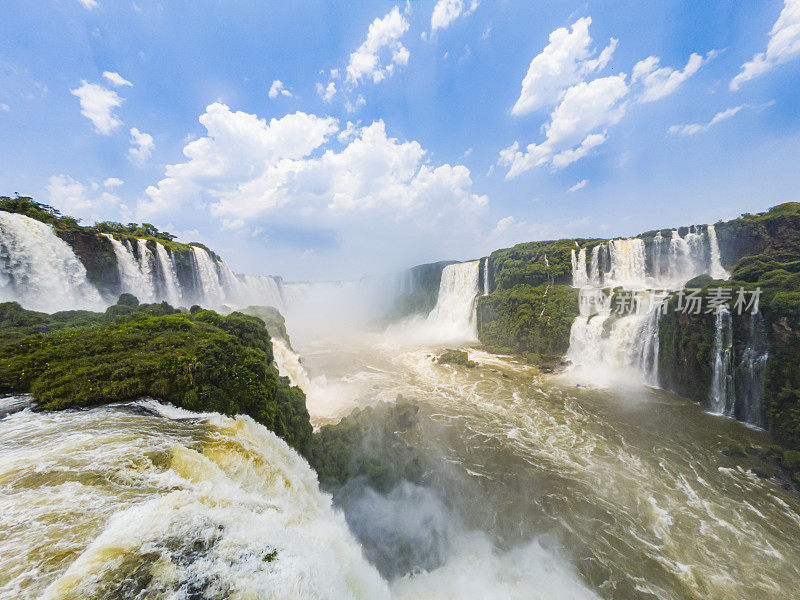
(716, 269)
(596, 278)
(130, 277)
(170, 275)
(486, 277)
(580, 278)
(211, 293)
(722, 395)
(750, 379)
(135, 275)
(39, 270)
(628, 263)
(147, 263)
(599, 339)
(454, 313)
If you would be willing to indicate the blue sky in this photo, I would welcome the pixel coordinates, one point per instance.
(398, 133)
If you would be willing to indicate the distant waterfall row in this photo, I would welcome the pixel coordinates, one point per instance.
(607, 343)
(42, 272)
(153, 276)
(667, 262)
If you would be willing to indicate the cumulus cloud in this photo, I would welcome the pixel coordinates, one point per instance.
(141, 146)
(578, 186)
(116, 79)
(565, 61)
(582, 109)
(76, 198)
(383, 38)
(113, 182)
(97, 105)
(277, 88)
(447, 11)
(326, 92)
(783, 46)
(658, 82)
(247, 167)
(576, 126)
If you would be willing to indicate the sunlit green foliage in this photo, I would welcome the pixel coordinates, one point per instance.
(202, 362)
(528, 319)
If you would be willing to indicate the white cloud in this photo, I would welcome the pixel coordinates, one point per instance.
(78, 199)
(447, 11)
(247, 169)
(503, 225)
(578, 186)
(88, 4)
(576, 126)
(658, 82)
(97, 105)
(67, 194)
(327, 92)
(5, 107)
(141, 146)
(383, 35)
(583, 110)
(113, 182)
(783, 45)
(695, 128)
(565, 61)
(116, 79)
(277, 88)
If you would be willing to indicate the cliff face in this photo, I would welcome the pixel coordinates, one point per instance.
(418, 290)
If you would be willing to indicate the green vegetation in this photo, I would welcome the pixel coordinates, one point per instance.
(272, 318)
(369, 444)
(791, 459)
(456, 357)
(202, 362)
(528, 319)
(536, 263)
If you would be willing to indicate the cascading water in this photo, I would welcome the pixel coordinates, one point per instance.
(750, 374)
(579, 276)
(39, 270)
(148, 501)
(172, 286)
(722, 397)
(486, 277)
(609, 342)
(147, 264)
(130, 276)
(716, 270)
(454, 313)
(212, 294)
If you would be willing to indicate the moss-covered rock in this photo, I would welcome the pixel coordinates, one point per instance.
(528, 319)
(272, 318)
(456, 357)
(202, 362)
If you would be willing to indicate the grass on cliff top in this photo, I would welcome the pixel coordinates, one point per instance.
(202, 362)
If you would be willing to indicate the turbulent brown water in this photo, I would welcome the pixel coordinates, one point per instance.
(546, 489)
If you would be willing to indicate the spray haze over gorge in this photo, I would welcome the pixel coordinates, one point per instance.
(433, 300)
